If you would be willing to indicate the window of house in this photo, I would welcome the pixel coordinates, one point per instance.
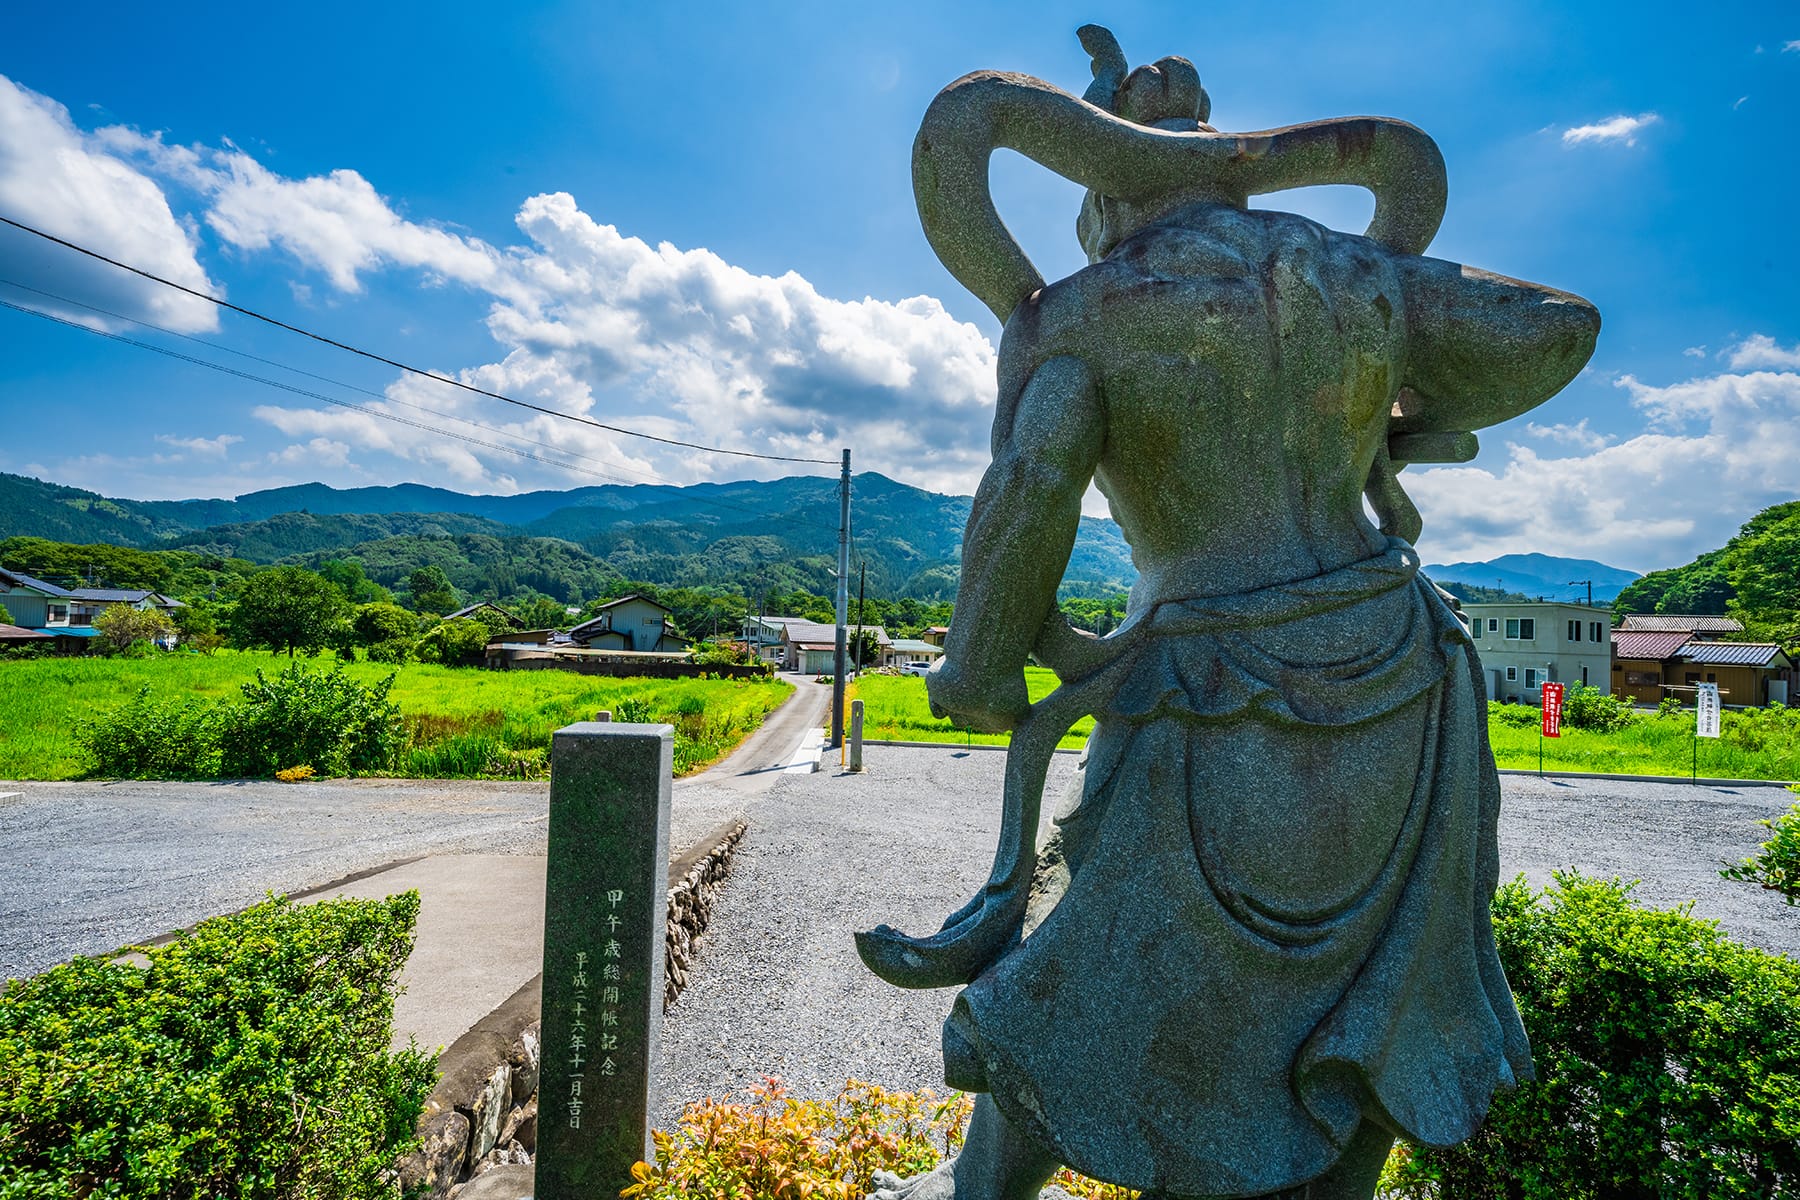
(1493, 625)
(1512, 629)
(1691, 677)
(1574, 631)
(1584, 677)
(1512, 673)
(1520, 629)
(1531, 677)
(1711, 678)
(1596, 631)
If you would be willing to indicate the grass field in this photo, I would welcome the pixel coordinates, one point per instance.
(1754, 746)
(462, 722)
(895, 710)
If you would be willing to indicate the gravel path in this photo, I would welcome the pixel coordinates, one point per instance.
(779, 988)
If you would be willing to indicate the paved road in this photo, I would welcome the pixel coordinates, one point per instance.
(778, 987)
(88, 867)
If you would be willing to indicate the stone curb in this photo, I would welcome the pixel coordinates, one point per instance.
(482, 1115)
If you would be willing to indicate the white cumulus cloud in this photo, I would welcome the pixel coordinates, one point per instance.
(212, 447)
(1614, 129)
(1715, 450)
(1577, 434)
(57, 178)
(1761, 350)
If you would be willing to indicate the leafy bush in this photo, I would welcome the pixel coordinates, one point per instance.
(1757, 729)
(453, 642)
(250, 1059)
(1587, 707)
(1670, 706)
(150, 738)
(326, 720)
(1777, 864)
(633, 711)
(397, 652)
(1668, 1060)
(1518, 716)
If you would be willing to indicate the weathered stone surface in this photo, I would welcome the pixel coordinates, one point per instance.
(605, 948)
(1266, 922)
(438, 1163)
(511, 1182)
(523, 1058)
(521, 1125)
(487, 1110)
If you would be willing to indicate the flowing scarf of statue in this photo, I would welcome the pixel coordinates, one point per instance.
(1257, 947)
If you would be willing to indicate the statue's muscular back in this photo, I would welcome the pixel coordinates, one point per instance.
(1245, 363)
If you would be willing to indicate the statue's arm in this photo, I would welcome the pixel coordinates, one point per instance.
(1482, 348)
(1020, 532)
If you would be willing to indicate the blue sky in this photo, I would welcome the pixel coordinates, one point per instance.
(699, 222)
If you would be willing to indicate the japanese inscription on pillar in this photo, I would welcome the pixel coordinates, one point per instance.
(604, 914)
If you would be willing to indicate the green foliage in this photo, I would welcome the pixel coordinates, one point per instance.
(288, 609)
(326, 720)
(726, 654)
(1669, 706)
(541, 612)
(71, 564)
(382, 622)
(1099, 615)
(197, 624)
(1587, 707)
(1776, 864)
(429, 590)
(357, 587)
(249, 1059)
(1514, 716)
(1668, 1060)
(774, 1145)
(150, 737)
(122, 625)
(1703, 586)
(453, 642)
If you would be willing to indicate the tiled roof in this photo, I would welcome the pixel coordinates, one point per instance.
(18, 579)
(1731, 654)
(813, 632)
(1633, 644)
(915, 646)
(112, 595)
(1687, 622)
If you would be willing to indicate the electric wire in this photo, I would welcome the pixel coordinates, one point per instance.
(395, 363)
(364, 409)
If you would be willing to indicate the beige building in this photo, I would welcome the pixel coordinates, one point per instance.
(1525, 645)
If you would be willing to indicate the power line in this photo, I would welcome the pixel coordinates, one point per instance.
(395, 363)
(364, 409)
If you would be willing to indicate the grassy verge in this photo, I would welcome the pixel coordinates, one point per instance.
(1753, 745)
(895, 710)
(462, 722)
(1653, 745)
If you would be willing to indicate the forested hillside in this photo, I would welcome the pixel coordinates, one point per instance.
(1754, 577)
(746, 536)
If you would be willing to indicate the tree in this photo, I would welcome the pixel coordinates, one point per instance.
(374, 624)
(430, 590)
(288, 608)
(122, 625)
(197, 624)
(541, 612)
(348, 574)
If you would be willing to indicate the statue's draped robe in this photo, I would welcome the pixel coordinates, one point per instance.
(1276, 918)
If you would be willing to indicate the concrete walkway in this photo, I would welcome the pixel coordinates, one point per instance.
(480, 932)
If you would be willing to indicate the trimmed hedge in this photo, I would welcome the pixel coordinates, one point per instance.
(250, 1060)
(1668, 1060)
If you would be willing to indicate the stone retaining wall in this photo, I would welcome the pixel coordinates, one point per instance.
(483, 1112)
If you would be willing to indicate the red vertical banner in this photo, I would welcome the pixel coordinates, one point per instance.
(1553, 705)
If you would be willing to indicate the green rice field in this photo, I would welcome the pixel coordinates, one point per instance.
(462, 722)
(1755, 745)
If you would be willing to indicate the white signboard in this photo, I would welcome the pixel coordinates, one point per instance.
(1706, 710)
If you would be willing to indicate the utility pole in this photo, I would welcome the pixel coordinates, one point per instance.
(843, 605)
(1590, 588)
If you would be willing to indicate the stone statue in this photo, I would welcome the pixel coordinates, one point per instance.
(1257, 948)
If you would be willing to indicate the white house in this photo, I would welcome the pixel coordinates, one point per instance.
(1525, 645)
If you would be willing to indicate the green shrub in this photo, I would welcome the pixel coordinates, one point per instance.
(453, 642)
(150, 738)
(1670, 706)
(250, 1060)
(633, 711)
(1517, 715)
(1777, 864)
(1586, 707)
(326, 720)
(396, 652)
(1668, 1060)
(1758, 729)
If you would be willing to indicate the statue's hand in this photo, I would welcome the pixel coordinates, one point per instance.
(984, 705)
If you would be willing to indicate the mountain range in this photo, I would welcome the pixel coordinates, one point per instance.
(770, 535)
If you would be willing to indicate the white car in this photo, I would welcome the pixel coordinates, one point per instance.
(916, 668)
